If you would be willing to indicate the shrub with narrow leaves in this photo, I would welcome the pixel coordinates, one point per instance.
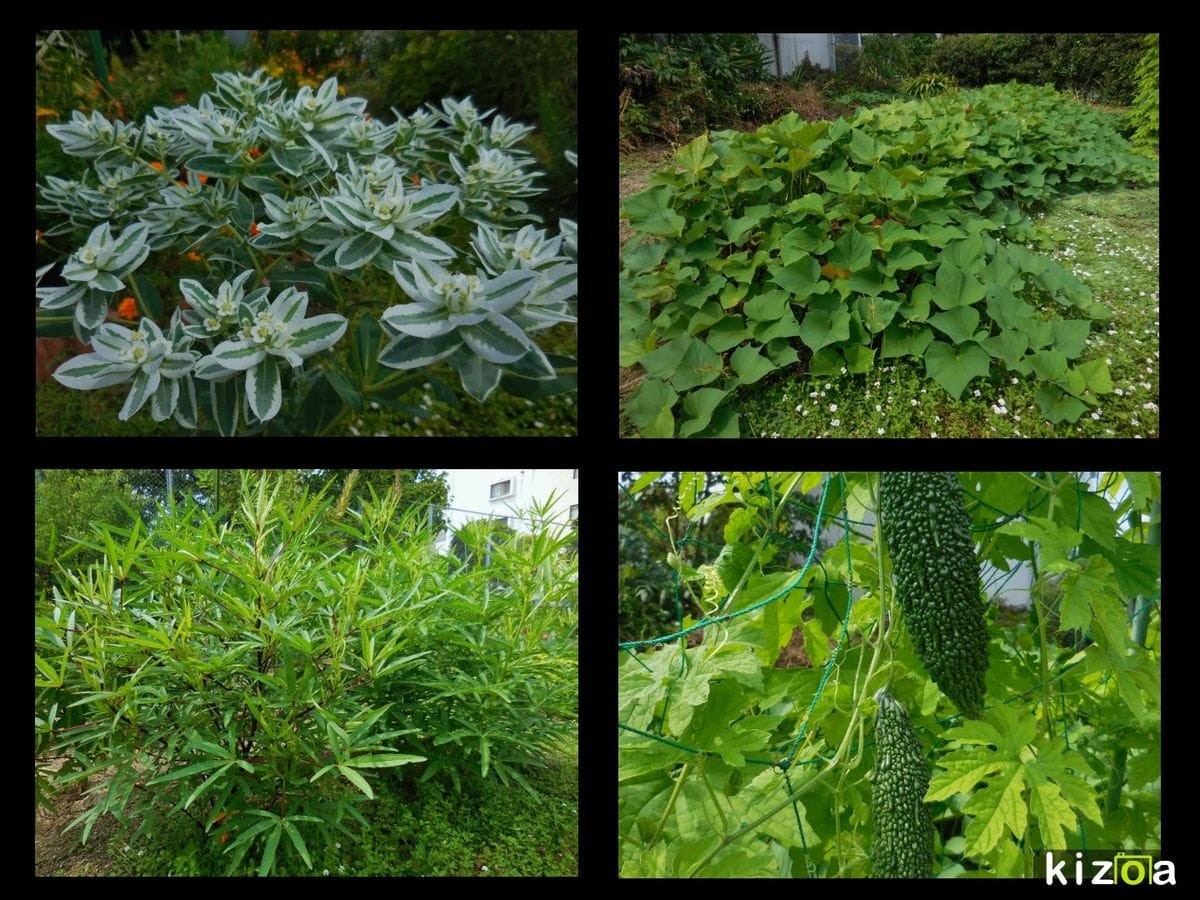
(265, 675)
(289, 201)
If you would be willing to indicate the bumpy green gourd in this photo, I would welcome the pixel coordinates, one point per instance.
(903, 845)
(937, 580)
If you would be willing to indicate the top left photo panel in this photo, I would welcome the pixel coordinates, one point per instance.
(306, 233)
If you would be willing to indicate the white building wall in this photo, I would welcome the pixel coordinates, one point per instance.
(470, 495)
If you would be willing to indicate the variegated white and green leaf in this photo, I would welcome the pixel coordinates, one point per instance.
(264, 391)
(144, 385)
(407, 352)
(93, 371)
(238, 355)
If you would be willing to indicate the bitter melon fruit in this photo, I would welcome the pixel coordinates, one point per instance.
(903, 845)
(928, 532)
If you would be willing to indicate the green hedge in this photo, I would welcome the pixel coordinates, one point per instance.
(1100, 65)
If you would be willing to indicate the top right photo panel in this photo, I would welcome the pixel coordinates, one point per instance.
(889, 235)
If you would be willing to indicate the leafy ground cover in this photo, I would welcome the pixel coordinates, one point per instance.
(892, 256)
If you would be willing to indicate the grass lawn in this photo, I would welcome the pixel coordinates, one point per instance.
(418, 830)
(1109, 240)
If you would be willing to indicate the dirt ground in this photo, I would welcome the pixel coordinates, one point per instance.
(56, 853)
(636, 168)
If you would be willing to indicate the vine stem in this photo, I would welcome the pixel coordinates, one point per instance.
(832, 763)
(1043, 639)
(670, 803)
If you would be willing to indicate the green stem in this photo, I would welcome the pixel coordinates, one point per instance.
(670, 804)
(379, 386)
(1042, 611)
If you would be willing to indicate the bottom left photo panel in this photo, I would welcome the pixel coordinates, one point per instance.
(306, 672)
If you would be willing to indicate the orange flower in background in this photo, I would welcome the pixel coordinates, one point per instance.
(254, 229)
(155, 164)
(414, 178)
(203, 179)
(43, 113)
(194, 256)
(128, 308)
(110, 77)
(181, 97)
(255, 152)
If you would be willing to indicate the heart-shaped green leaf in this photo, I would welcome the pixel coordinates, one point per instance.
(954, 367)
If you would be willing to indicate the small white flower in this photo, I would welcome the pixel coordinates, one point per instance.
(1016, 381)
(933, 434)
(1118, 392)
(977, 393)
(833, 407)
(836, 422)
(843, 370)
(325, 872)
(878, 407)
(879, 430)
(483, 868)
(913, 401)
(799, 408)
(828, 386)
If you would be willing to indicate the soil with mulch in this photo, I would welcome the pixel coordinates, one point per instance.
(56, 853)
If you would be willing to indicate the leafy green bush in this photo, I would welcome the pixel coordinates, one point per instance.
(929, 84)
(527, 75)
(687, 83)
(1144, 115)
(869, 238)
(66, 502)
(1098, 65)
(249, 674)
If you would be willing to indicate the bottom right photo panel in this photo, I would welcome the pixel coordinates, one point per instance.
(890, 675)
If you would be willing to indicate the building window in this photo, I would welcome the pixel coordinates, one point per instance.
(574, 511)
(502, 521)
(502, 489)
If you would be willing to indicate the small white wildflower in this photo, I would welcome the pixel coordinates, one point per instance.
(1096, 416)
(1118, 392)
(843, 370)
(325, 872)
(878, 407)
(1016, 381)
(977, 393)
(828, 386)
(799, 408)
(933, 434)
(879, 430)
(833, 407)
(836, 422)
(913, 401)
(813, 395)
(483, 868)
